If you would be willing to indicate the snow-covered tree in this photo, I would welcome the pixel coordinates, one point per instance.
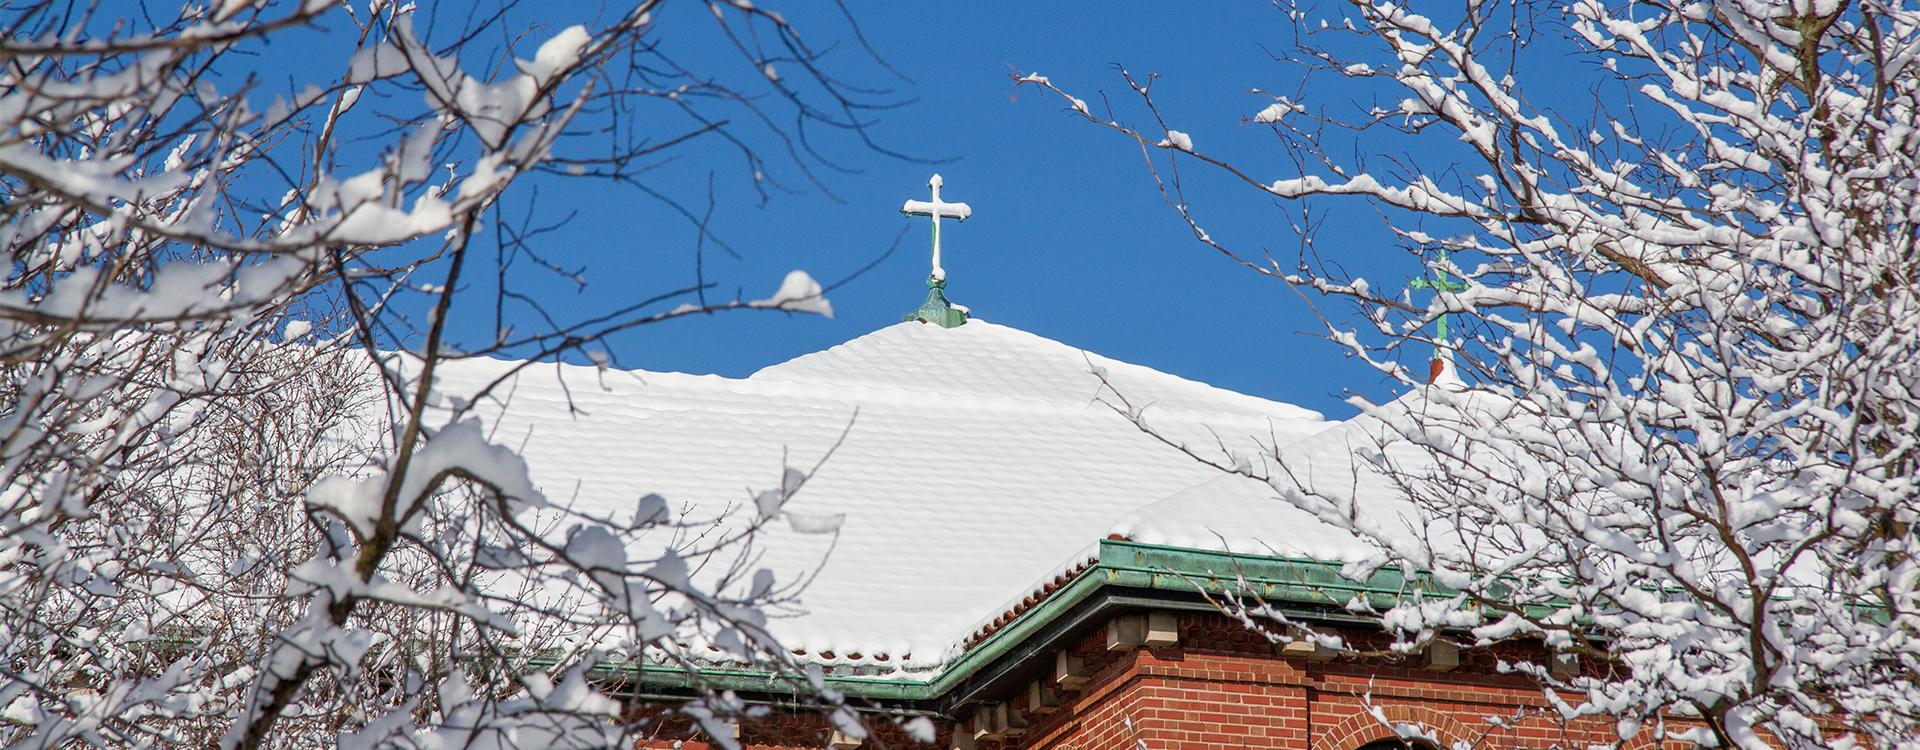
(234, 509)
(1687, 242)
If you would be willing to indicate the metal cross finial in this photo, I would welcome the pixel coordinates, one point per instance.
(1439, 283)
(937, 209)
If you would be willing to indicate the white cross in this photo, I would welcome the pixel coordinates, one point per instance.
(937, 209)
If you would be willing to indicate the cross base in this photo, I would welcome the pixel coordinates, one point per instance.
(937, 310)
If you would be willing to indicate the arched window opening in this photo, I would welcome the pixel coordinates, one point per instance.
(1398, 744)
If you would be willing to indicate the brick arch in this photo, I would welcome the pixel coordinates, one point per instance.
(1362, 727)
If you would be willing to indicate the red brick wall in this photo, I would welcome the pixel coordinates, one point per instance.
(1223, 687)
(1175, 699)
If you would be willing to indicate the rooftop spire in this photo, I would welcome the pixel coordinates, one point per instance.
(1440, 282)
(936, 309)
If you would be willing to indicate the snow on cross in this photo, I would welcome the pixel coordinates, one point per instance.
(937, 209)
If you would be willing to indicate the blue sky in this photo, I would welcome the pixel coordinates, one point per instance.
(1069, 238)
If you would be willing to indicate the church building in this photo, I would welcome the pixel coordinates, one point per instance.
(997, 540)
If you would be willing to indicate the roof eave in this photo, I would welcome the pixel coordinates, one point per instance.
(1125, 575)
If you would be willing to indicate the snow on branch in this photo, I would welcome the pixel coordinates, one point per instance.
(1687, 447)
(237, 507)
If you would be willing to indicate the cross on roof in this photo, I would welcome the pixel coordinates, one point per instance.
(1439, 283)
(937, 209)
(936, 309)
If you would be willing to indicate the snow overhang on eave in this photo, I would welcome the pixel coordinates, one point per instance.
(1125, 576)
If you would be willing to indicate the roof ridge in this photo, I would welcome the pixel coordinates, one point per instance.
(986, 360)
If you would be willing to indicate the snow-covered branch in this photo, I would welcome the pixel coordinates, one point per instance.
(1689, 430)
(237, 506)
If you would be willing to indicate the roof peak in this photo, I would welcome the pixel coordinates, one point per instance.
(990, 361)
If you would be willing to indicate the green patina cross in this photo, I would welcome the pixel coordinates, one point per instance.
(936, 309)
(1439, 283)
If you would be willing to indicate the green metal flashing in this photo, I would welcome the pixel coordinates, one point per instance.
(1119, 564)
(937, 310)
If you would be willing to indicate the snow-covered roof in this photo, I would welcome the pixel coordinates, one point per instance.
(972, 464)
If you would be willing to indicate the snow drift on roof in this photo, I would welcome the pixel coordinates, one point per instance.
(972, 463)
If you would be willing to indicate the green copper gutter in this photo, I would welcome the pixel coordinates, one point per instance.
(1120, 564)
